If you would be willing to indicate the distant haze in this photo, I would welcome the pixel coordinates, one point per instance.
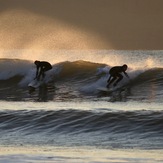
(81, 24)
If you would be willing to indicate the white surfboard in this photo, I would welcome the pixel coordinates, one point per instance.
(35, 83)
(104, 89)
(109, 90)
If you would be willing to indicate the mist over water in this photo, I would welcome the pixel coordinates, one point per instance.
(134, 59)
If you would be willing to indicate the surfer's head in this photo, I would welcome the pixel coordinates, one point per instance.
(124, 67)
(37, 62)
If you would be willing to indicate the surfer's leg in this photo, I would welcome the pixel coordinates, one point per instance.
(120, 77)
(38, 77)
(108, 81)
(43, 74)
(111, 81)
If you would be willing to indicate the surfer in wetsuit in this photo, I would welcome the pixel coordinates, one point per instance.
(42, 66)
(115, 72)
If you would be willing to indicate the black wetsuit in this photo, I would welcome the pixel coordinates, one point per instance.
(115, 72)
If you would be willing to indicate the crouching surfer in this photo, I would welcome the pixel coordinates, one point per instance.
(42, 67)
(116, 74)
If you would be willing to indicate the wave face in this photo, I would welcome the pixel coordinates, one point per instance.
(69, 80)
(114, 129)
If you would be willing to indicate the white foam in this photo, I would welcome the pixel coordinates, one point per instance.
(11, 68)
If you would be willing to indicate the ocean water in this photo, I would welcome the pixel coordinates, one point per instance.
(69, 120)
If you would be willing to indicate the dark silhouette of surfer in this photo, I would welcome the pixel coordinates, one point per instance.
(42, 67)
(115, 72)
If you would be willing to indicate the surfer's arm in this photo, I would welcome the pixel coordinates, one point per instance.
(126, 74)
(109, 79)
(37, 72)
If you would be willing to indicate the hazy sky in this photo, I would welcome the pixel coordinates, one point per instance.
(81, 24)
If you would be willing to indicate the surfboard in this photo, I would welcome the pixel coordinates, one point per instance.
(110, 90)
(107, 90)
(103, 89)
(35, 83)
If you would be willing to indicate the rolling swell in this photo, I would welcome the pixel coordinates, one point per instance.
(140, 123)
(148, 85)
(79, 69)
